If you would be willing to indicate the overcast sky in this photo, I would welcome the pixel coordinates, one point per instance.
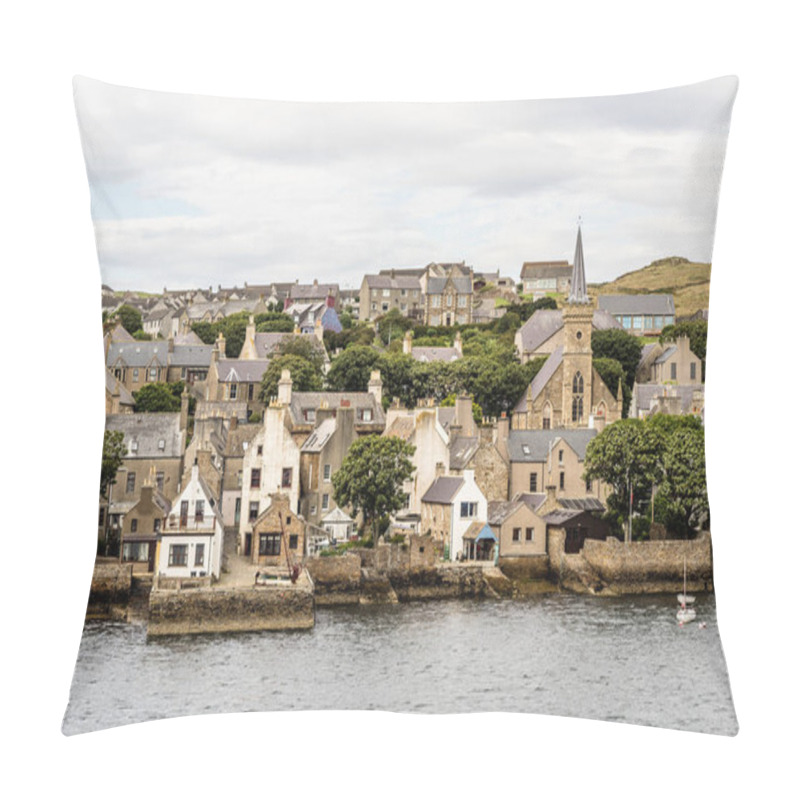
(192, 191)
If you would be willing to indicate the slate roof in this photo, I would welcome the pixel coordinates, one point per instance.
(238, 437)
(538, 443)
(415, 271)
(646, 351)
(462, 449)
(637, 303)
(191, 355)
(356, 400)
(500, 510)
(138, 354)
(190, 337)
(241, 370)
(542, 377)
(463, 285)
(479, 530)
(319, 436)
(532, 499)
(147, 430)
(668, 353)
(645, 392)
(306, 291)
(398, 281)
(402, 427)
(443, 490)
(426, 354)
(125, 397)
(581, 503)
(560, 516)
(545, 322)
(546, 269)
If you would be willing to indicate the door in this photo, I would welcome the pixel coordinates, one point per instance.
(248, 544)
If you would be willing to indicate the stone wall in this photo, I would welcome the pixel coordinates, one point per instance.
(440, 583)
(525, 568)
(337, 579)
(110, 590)
(261, 608)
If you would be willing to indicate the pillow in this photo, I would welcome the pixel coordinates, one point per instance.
(405, 407)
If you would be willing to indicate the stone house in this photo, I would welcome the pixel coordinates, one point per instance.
(187, 362)
(640, 314)
(234, 379)
(540, 278)
(154, 443)
(308, 316)
(191, 541)
(141, 527)
(449, 507)
(118, 399)
(541, 458)
(381, 293)
(448, 299)
(520, 531)
(670, 363)
(654, 398)
(276, 530)
(136, 363)
(315, 292)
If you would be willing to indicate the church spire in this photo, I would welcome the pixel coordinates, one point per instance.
(577, 293)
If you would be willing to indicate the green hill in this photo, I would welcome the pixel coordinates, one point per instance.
(687, 281)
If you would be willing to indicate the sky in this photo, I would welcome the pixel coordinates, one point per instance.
(194, 191)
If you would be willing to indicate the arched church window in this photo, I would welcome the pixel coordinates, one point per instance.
(577, 383)
(546, 414)
(577, 409)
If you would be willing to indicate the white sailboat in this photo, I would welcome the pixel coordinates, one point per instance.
(685, 613)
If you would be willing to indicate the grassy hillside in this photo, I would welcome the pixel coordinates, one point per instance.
(687, 281)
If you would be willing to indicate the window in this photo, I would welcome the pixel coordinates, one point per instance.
(658, 322)
(130, 483)
(560, 456)
(153, 373)
(199, 510)
(326, 473)
(255, 478)
(136, 376)
(387, 292)
(199, 555)
(101, 518)
(462, 301)
(577, 409)
(528, 534)
(648, 323)
(134, 525)
(269, 544)
(469, 509)
(135, 551)
(252, 513)
(184, 512)
(515, 534)
(178, 555)
(693, 371)
(286, 478)
(260, 450)
(160, 481)
(309, 414)
(588, 485)
(436, 301)
(365, 414)
(546, 423)
(232, 389)
(156, 525)
(162, 444)
(239, 479)
(325, 502)
(313, 509)
(293, 541)
(577, 383)
(561, 481)
(237, 510)
(673, 371)
(637, 323)
(626, 322)
(533, 482)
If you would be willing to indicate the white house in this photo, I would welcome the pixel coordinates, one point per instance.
(449, 507)
(191, 542)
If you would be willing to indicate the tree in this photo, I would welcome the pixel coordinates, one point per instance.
(114, 451)
(130, 318)
(477, 411)
(305, 378)
(611, 371)
(306, 347)
(350, 370)
(371, 477)
(622, 347)
(274, 322)
(696, 330)
(393, 325)
(156, 397)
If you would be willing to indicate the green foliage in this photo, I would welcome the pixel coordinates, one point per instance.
(361, 334)
(393, 325)
(396, 375)
(371, 477)
(141, 336)
(273, 322)
(529, 308)
(696, 330)
(131, 318)
(233, 328)
(622, 347)
(305, 377)
(305, 347)
(157, 397)
(350, 370)
(611, 371)
(206, 331)
(114, 451)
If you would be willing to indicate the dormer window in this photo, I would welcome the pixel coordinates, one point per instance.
(365, 415)
(161, 444)
(134, 446)
(309, 414)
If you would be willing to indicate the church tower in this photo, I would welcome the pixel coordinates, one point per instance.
(577, 362)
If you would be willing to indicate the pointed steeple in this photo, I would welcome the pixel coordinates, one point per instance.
(577, 293)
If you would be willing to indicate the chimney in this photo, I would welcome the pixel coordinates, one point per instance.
(315, 283)
(457, 343)
(407, 340)
(285, 388)
(221, 345)
(439, 469)
(501, 434)
(146, 494)
(234, 423)
(464, 419)
(375, 387)
(184, 408)
(550, 501)
(170, 344)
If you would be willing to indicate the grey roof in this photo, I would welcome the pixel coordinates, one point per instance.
(463, 285)
(534, 446)
(305, 291)
(190, 337)
(445, 416)
(499, 510)
(647, 350)
(435, 354)
(645, 392)
(137, 354)
(415, 271)
(125, 397)
(119, 334)
(237, 438)
(319, 436)
(392, 281)
(532, 499)
(545, 269)
(542, 377)
(191, 355)
(581, 503)
(355, 400)
(545, 322)
(241, 370)
(668, 353)
(147, 431)
(443, 490)
(560, 516)
(636, 303)
(462, 449)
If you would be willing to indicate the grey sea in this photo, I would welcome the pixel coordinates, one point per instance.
(616, 659)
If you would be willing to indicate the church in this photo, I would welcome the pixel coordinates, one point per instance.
(568, 392)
